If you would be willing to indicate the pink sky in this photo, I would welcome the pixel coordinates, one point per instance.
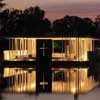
(59, 8)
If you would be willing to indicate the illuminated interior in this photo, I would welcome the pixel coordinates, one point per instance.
(68, 49)
(73, 49)
(20, 49)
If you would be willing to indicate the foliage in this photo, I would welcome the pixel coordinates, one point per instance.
(29, 22)
(32, 22)
(2, 4)
(74, 26)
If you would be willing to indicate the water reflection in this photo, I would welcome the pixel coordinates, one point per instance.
(72, 81)
(20, 80)
(63, 80)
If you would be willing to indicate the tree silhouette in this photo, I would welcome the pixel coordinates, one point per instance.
(90, 27)
(30, 22)
(74, 26)
(97, 24)
(2, 4)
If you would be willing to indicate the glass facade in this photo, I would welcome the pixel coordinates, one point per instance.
(75, 49)
(20, 49)
(63, 49)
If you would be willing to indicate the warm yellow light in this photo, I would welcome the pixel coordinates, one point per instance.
(24, 88)
(18, 89)
(73, 90)
(6, 55)
(85, 56)
(82, 84)
(18, 53)
(33, 85)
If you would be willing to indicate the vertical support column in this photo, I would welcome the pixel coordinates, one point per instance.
(43, 71)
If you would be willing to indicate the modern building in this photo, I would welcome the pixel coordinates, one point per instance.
(47, 64)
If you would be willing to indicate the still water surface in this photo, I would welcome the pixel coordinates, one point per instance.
(93, 95)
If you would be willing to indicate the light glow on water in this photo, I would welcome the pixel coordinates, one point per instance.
(73, 90)
(26, 81)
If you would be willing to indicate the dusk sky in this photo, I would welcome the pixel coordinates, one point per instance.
(59, 8)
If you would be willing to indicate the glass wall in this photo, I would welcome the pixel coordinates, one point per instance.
(63, 49)
(72, 49)
(20, 49)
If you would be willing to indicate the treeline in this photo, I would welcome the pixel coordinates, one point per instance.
(29, 22)
(32, 22)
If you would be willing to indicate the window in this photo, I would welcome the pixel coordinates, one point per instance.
(58, 76)
(58, 46)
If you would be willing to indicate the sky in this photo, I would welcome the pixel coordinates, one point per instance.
(59, 8)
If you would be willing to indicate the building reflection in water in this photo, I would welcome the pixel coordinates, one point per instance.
(72, 80)
(63, 80)
(22, 80)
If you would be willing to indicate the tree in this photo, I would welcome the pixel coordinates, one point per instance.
(34, 21)
(2, 4)
(90, 28)
(74, 26)
(28, 22)
(97, 24)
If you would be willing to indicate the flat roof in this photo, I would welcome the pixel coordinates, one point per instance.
(53, 38)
